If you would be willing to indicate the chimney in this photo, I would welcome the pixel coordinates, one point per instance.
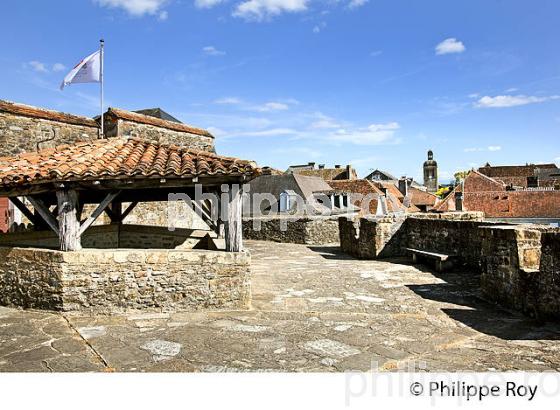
(349, 171)
(337, 166)
(403, 186)
(321, 166)
(458, 201)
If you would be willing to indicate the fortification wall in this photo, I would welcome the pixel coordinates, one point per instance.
(519, 264)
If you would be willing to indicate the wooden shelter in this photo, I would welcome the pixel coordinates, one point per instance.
(58, 183)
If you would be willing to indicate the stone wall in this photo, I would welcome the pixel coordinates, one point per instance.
(389, 236)
(549, 277)
(20, 133)
(521, 269)
(117, 280)
(124, 128)
(372, 237)
(165, 214)
(452, 234)
(519, 264)
(307, 230)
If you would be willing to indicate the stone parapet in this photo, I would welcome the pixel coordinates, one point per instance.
(118, 280)
(307, 230)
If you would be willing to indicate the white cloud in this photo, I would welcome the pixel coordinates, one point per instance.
(206, 4)
(319, 27)
(449, 46)
(135, 8)
(324, 122)
(272, 106)
(228, 100)
(375, 53)
(354, 4)
(501, 101)
(494, 148)
(58, 67)
(372, 135)
(213, 51)
(163, 15)
(259, 10)
(38, 66)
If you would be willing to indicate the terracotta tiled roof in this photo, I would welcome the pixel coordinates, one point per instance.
(116, 158)
(328, 174)
(35, 112)
(419, 197)
(158, 122)
(514, 170)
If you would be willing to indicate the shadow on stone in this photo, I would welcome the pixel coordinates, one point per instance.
(330, 252)
(462, 288)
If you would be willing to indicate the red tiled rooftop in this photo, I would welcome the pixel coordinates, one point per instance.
(116, 158)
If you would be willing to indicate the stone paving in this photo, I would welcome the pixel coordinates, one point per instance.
(314, 310)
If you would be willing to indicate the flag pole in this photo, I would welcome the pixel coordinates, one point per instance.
(101, 44)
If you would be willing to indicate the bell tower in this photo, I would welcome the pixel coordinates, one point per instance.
(430, 173)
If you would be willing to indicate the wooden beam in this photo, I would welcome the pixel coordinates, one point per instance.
(24, 210)
(233, 224)
(44, 211)
(128, 210)
(98, 211)
(204, 214)
(69, 225)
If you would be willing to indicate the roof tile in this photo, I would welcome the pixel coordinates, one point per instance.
(116, 158)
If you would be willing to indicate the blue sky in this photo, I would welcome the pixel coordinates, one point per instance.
(375, 83)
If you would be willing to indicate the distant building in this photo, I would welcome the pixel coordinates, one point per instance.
(524, 176)
(328, 174)
(379, 175)
(479, 192)
(431, 173)
(371, 198)
(282, 193)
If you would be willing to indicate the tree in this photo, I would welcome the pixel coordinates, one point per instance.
(460, 175)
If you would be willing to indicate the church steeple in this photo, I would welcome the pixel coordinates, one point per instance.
(430, 173)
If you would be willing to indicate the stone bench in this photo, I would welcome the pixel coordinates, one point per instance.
(443, 261)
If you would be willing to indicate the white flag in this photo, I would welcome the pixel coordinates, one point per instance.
(86, 71)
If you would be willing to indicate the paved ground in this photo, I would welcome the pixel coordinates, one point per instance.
(314, 309)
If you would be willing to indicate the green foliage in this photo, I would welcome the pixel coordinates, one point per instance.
(460, 175)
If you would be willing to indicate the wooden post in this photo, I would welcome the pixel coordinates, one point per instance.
(233, 223)
(220, 227)
(68, 223)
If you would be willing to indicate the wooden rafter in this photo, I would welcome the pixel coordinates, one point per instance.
(24, 210)
(98, 211)
(44, 211)
(128, 210)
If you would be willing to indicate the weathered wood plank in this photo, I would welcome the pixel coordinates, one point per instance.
(233, 223)
(69, 225)
(98, 211)
(128, 210)
(44, 212)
